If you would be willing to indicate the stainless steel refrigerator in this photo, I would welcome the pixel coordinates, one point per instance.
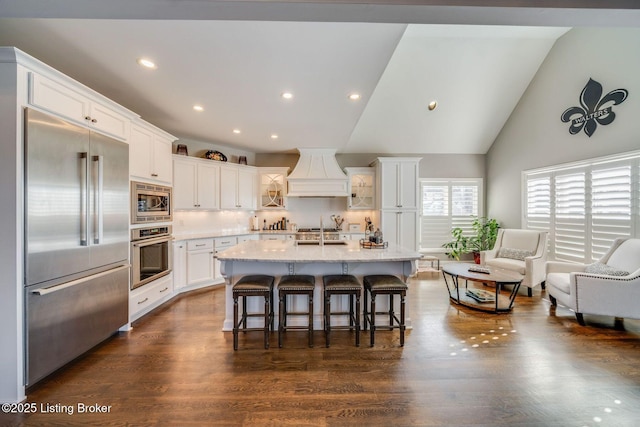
(76, 241)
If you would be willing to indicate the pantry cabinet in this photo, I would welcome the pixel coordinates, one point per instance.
(398, 182)
(195, 184)
(400, 228)
(238, 187)
(150, 154)
(397, 199)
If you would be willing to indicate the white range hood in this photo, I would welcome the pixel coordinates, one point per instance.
(317, 174)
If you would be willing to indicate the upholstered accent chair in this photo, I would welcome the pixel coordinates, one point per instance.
(523, 251)
(609, 287)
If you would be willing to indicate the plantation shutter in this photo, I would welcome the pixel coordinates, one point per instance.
(447, 204)
(584, 206)
(464, 206)
(538, 203)
(570, 214)
(611, 202)
(435, 224)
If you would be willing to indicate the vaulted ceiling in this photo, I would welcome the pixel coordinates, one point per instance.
(237, 71)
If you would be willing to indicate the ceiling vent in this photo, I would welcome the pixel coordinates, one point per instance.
(317, 174)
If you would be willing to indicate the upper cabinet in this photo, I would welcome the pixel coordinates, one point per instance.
(272, 188)
(150, 153)
(361, 188)
(397, 179)
(195, 183)
(79, 106)
(238, 187)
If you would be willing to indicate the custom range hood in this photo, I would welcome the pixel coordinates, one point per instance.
(317, 174)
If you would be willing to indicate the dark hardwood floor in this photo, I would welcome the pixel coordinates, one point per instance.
(459, 367)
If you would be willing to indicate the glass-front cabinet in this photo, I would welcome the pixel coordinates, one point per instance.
(361, 188)
(273, 188)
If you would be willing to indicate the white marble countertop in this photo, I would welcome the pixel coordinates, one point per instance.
(222, 233)
(288, 251)
(228, 233)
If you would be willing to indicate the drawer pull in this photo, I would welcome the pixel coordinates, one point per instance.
(165, 289)
(143, 301)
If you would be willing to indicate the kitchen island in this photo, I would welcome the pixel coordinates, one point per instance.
(279, 258)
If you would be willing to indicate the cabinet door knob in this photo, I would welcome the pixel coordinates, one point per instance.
(94, 120)
(154, 174)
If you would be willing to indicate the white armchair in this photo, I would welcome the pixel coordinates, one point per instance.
(610, 287)
(523, 251)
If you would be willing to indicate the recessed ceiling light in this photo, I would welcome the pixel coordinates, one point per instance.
(287, 95)
(198, 108)
(354, 96)
(236, 131)
(147, 63)
(274, 136)
(432, 105)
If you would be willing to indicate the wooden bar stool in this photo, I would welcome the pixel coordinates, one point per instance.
(295, 285)
(256, 285)
(384, 284)
(342, 284)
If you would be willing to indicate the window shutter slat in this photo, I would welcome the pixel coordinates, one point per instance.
(447, 204)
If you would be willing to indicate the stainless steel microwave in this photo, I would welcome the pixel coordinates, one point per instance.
(150, 203)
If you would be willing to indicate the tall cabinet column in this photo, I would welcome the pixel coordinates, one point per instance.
(397, 199)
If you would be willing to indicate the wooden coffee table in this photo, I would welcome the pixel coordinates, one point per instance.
(481, 291)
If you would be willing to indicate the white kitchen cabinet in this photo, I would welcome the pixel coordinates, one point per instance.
(397, 179)
(397, 195)
(272, 188)
(150, 153)
(271, 236)
(179, 265)
(80, 105)
(361, 188)
(351, 236)
(147, 297)
(248, 237)
(238, 187)
(220, 244)
(200, 267)
(195, 184)
(400, 228)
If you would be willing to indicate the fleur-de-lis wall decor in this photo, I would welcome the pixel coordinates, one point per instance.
(594, 108)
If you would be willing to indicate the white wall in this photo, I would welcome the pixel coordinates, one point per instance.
(534, 136)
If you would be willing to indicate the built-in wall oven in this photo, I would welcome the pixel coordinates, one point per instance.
(150, 203)
(150, 254)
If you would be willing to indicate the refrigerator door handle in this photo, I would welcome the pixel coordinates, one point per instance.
(98, 187)
(84, 211)
(46, 291)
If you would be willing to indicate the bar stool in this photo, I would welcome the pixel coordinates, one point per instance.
(342, 284)
(295, 285)
(256, 285)
(384, 284)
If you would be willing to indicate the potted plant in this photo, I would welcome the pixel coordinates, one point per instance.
(485, 232)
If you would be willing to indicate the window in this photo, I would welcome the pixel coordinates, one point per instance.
(584, 206)
(446, 204)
